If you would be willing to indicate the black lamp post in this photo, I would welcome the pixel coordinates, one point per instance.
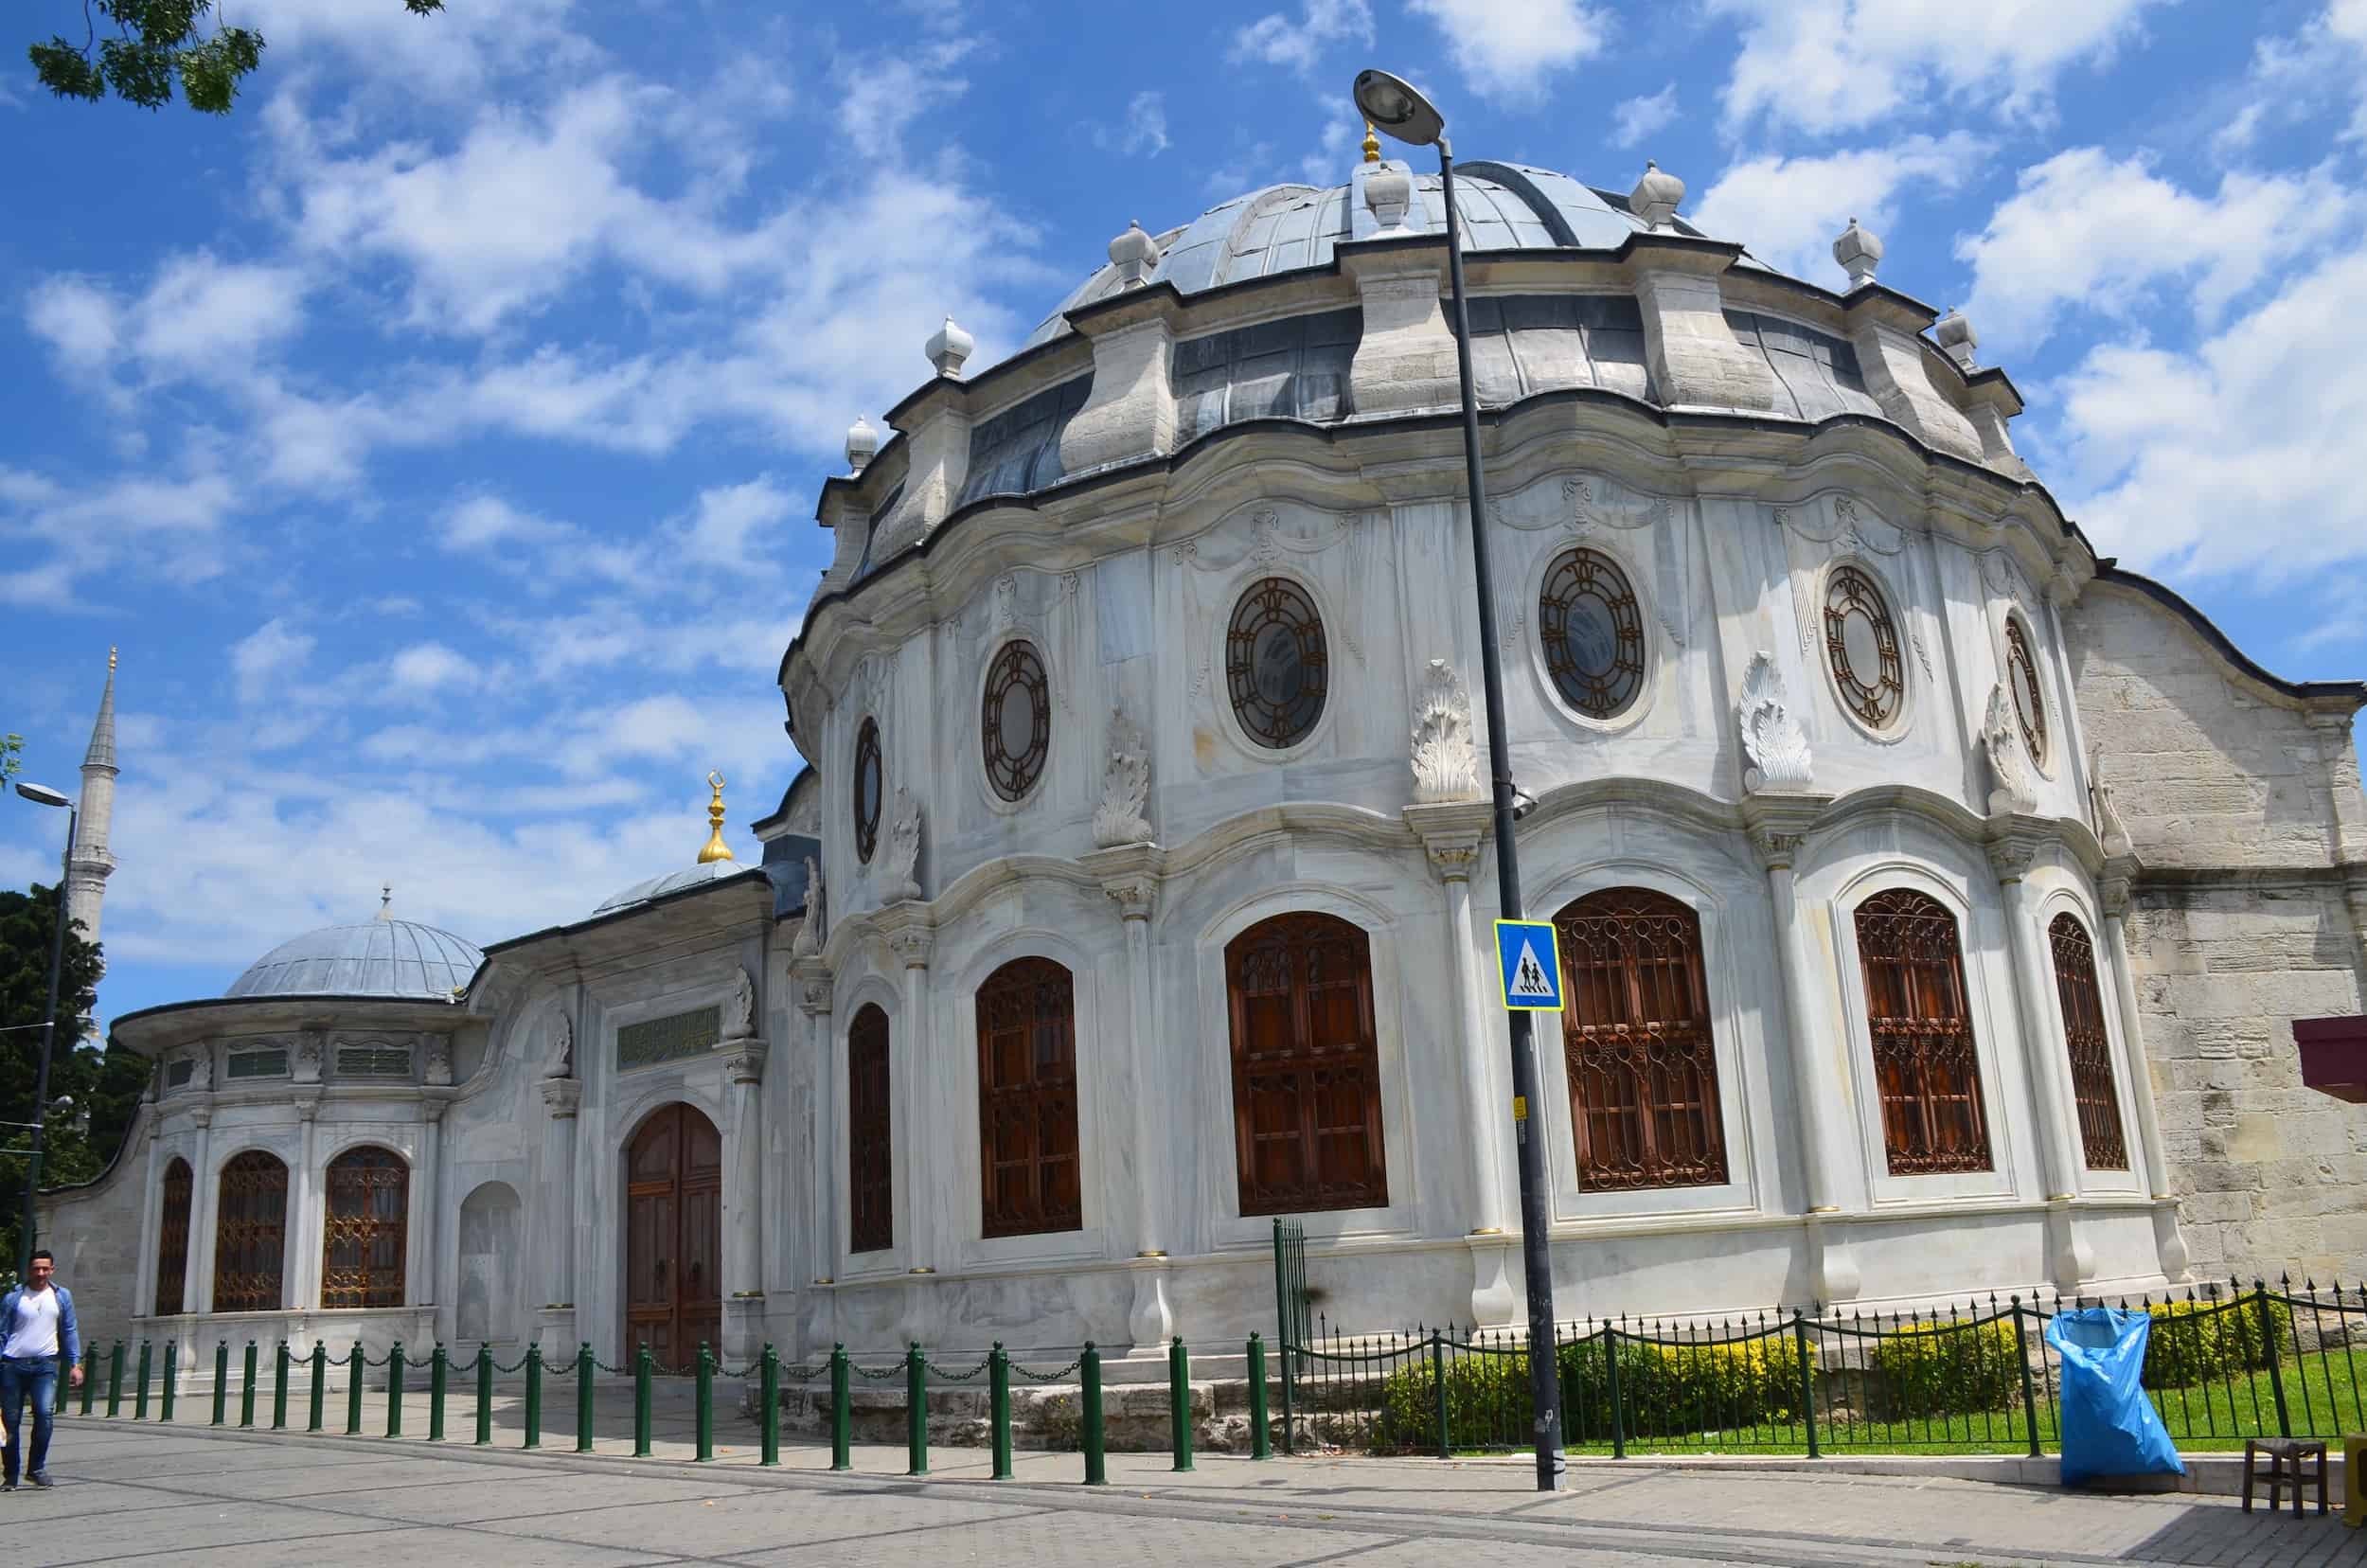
(43, 795)
(1394, 106)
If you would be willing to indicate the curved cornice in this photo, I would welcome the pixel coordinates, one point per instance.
(2113, 575)
(169, 1024)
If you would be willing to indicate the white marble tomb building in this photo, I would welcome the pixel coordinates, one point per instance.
(1934, 895)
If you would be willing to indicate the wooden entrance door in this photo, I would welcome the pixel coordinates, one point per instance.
(674, 1236)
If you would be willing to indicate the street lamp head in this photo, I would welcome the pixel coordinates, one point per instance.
(1393, 105)
(41, 795)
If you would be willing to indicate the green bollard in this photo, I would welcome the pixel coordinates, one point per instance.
(641, 1403)
(89, 1374)
(394, 1389)
(769, 1393)
(246, 1389)
(484, 1395)
(841, 1415)
(438, 1368)
(139, 1397)
(583, 1398)
(1260, 1442)
(915, 1410)
(222, 1381)
(534, 1398)
(279, 1387)
(998, 1386)
(1180, 1402)
(172, 1370)
(1097, 1464)
(706, 1405)
(353, 1391)
(115, 1380)
(320, 1379)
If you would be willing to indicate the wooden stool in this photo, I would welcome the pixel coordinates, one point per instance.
(2284, 1469)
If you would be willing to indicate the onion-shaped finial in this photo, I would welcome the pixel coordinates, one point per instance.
(1655, 198)
(863, 445)
(947, 347)
(1133, 252)
(1860, 252)
(1956, 337)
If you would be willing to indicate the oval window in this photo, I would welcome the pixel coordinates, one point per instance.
(1861, 645)
(1275, 662)
(868, 789)
(1592, 631)
(1015, 724)
(2022, 677)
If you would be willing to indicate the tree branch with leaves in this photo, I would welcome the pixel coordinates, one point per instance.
(155, 43)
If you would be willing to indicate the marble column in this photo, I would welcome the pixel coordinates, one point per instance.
(427, 1201)
(305, 1210)
(743, 1203)
(822, 1238)
(2169, 1244)
(151, 1217)
(1151, 1318)
(1820, 1090)
(197, 1279)
(2044, 1056)
(913, 1084)
(555, 1321)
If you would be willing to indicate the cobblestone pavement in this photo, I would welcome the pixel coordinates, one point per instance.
(187, 1495)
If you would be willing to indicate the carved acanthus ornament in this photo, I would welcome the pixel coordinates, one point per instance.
(2011, 785)
(740, 1009)
(440, 1060)
(745, 1064)
(1771, 737)
(1121, 817)
(308, 1060)
(563, 1048)
(1445, 765)
(914, 943)
(900, 867)
(810, 933)
(2111, 831)
(563, 1096)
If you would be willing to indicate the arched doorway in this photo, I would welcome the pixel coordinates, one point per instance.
(674, 1236)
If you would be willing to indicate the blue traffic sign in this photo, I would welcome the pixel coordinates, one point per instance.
(1529, 965)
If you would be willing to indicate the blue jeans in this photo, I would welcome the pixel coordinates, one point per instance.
(37, 1376)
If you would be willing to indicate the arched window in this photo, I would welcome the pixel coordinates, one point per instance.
(1027, 1099)
(362, 1237)
(172, 1239)
(1305, 1068)
(1924, 1058)
(870, 1150)
(1636, 1037)
(2100, 1138)
(251, 1233)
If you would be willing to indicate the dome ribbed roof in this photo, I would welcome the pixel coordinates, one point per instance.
(382, 958)
(674, 881)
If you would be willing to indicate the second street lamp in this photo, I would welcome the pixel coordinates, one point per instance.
(1393, 105)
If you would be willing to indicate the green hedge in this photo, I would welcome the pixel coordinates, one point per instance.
(1944, 1369)
(2194, 1340)
(1665, 1390)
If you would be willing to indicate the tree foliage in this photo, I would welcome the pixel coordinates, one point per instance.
(106, 1084)
(155, 42)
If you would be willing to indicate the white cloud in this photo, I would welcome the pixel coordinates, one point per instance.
(883, 92)
(1639, 117)
(136, 526)
(738, 527)
(79, 322)
(1274, 39)
(479, 522)
(2239, 456)
(267, 656)
(2090, 232)
(2297, 77)
(1789, 211)
(427, 666)
(1511, 46)
(1146, 126)
(1827, 66)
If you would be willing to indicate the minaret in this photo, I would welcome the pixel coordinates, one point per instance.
(89, 865)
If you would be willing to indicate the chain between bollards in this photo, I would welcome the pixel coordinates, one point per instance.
(769, 1394)
(173, 1372)
(484, 1393)
(394, 1389)
(583, 1398)
(706, 1405)
(1096, 1461)
(841, 1417)
(534, 1398)
(246, 1391)
(354, 1364)
(439, 1366)
(1260, 1444)
(115, 1379)
(139, 1396)
(641, 1403)
(1180, 1402)
(999, 1408)
(319, 1359)
(915, 1410)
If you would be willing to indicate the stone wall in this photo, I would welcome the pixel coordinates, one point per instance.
(2243, 816)
(95, 1230)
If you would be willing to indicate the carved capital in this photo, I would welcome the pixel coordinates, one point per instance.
(2114, 889)
(308, 1104)
(2014, 847)
(914, 943)
(564, 1097)
(1452, 834)
(1779, 825)
(1137, 896)
(201, 1116)
(746, 1063)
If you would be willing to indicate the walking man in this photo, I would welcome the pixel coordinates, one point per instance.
(36, 1326)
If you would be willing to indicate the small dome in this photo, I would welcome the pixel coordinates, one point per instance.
(674, 881)
(382, 958)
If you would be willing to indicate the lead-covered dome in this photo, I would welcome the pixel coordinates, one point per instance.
(382, 958)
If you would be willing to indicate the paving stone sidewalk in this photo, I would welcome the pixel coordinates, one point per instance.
(191, 1495)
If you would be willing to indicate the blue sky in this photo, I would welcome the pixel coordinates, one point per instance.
(438, 435)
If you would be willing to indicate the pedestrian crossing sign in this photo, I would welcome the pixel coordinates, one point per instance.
(1529, 965)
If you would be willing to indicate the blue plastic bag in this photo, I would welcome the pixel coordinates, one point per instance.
(2110, 1427)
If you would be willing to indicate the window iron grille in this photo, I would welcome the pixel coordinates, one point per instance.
(1861, 646)
(1926, 1061)
(1277, 664)
(1027, 1099)
(2100, 1139)
(867, 786)
(870, 1145)
(1592, 628)
(251, 1233)
(1015, 721)
(364, 1228)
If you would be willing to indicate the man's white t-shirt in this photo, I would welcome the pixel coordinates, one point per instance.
(34, 1332)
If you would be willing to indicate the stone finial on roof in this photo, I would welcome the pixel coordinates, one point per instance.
(1860, 252)
(1134, 254)
(1389, 193)
(947, 348)
(1956, 337)
(863, 445)
(1656, 195)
